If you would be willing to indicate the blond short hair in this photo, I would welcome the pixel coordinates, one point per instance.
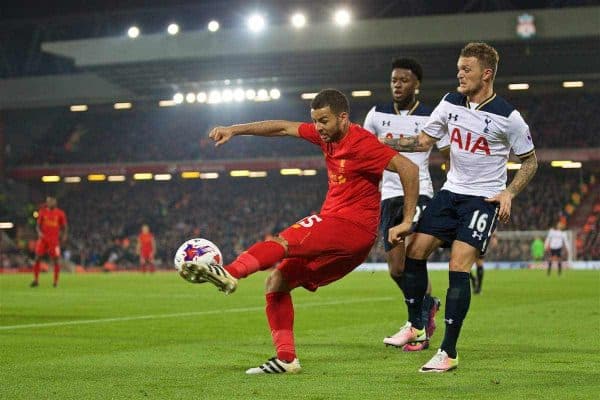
(484, 53)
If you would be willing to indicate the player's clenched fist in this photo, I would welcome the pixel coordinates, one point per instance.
(397, 233)
(221, 134)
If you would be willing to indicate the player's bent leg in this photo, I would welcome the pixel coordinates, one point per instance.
(421, 245)
(259, 257)
(414, 286)
(395, 260)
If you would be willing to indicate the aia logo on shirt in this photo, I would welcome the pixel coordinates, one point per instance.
(469, 143)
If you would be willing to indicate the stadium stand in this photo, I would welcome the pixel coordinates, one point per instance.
(180, 134)
(105, 218)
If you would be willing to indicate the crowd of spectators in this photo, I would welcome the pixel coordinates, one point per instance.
(105, 218)
(180, 133)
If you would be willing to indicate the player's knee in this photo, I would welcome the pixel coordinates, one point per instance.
(416, 251)
(276, 282)
(280, 240)
(457, 266)
(396, 275)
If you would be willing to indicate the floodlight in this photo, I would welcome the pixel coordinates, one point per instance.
(342, 17)
(256, 23)
(173, 29)
(298, 20)
(213, 26)
(133, 32)
(178, 98)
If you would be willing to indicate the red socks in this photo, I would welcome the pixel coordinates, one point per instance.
(280, 310)
(261, 256)
(280, 313)
(56, 271)
(36, 271)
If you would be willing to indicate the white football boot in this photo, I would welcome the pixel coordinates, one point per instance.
(276, 366)
(212, 273)
(441, 362)
(406, 334)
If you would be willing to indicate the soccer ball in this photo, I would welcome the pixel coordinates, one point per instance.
(197, 249)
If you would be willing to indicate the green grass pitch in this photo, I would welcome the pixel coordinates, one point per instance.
(133, 336)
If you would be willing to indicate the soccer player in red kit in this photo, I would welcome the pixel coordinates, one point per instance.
(146, 248)
(51, 222)
(322, 248)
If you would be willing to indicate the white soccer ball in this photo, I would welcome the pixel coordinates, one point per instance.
(199, 250)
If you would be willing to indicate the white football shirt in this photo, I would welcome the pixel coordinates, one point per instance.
(385, 122)
(481, 137)
(556, 239)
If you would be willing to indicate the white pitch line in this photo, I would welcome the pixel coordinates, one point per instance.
(186, 314)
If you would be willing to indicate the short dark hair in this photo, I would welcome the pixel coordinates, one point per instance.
(410, 64)
(484, 53)
(336, 100)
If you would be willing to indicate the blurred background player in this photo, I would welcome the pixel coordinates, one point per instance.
(325, 247)
(146, 249)
(51, 228)
(555, 242)
(477, 278)
(483, 129)
(537, 250)
(404, 116)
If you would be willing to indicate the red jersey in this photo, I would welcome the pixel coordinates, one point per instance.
(146, 241)
(354, 166)
(50, 222)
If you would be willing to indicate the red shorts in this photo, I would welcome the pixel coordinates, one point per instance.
(49, 247)
(146, 256)
(323, 249)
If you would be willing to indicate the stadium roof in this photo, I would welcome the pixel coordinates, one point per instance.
(155, 66)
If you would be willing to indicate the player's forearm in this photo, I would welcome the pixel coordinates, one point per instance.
(523, 175)
(409, 144)
(409, 177)
(266, 128)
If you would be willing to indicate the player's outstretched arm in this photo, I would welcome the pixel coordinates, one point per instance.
(409, 176)
(222, 134)
(411, 144)
(522, 177)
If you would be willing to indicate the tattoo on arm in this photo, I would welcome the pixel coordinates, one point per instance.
(408, 144)
(523, 176)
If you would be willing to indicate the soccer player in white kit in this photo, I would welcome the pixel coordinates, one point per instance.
(483, 129)
(555, 241)
(404, 116)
